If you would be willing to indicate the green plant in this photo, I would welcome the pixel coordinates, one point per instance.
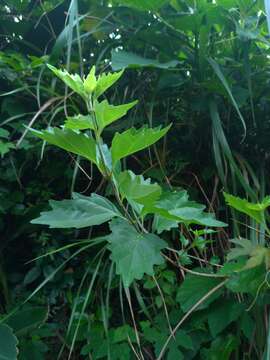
(138, 203)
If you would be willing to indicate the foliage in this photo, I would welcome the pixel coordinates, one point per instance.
(131, 267)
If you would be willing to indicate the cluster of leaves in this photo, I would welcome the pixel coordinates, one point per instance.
(202, 66)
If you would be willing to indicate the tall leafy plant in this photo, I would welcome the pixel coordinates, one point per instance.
(139, 204)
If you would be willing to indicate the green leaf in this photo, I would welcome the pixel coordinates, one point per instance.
(79, 212)
(73, 81)
(175, 207)
(134, 254)
(136, 188)
(123, 59)
(105, 81)
(5, 147)
(79, 122)
(194, 288)
(247, 281)
(107, 114)
(222, 314)
(145, 5)
(69, 140)
(132, 140)
(221, 77)
(8, 343)
(254, 210)
(221, 348)
(24, 321)
(257, 254)
(90, 82)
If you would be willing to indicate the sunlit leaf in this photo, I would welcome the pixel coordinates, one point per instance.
(90, 82)
(107, 114)
(132, 140)
(69, 140)
(254, 210)
(105, 81)
(73, 81)
(79, 122)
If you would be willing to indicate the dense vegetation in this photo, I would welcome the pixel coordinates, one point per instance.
(138, 131)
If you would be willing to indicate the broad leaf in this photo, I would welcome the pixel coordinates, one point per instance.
(132, 140)
(107, 114)
(194, 288)
(79, 212)
(69, 140)
(123, 59)
(134, 254)
(73, 81)
(8, 343)
(257, 254)
(105, 81)
(136, 188)
(176, 204)
(143, 5)
(24, 321)
(222, 313)
(255, 211)
(79, 122)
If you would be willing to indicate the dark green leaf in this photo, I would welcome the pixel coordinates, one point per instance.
(8, 343)
(134, 254)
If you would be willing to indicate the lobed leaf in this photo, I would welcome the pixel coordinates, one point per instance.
(132, 140)
(79, 212)
(134, 253)
(69, 140)
(107, 114)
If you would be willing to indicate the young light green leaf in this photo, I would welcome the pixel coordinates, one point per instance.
(90, 82)
(254, 210)
(79, 122)
(69, 140)
(79, 212)
(105, 81)
(134, 254)
(132, 140)
(107, 114)
(136, 188)
(73, 81)
(8, 343)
